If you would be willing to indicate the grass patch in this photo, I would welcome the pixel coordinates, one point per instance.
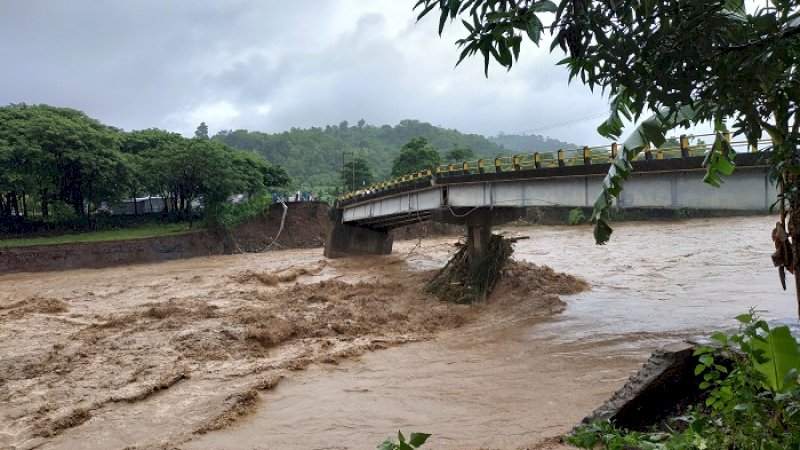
(101, 236)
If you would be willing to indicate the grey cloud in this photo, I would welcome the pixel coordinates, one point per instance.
(271, 65)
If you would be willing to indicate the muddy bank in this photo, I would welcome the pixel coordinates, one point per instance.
(94, 255)
(306, 225)
(154, 355)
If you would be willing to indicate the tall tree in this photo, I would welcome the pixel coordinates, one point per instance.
(414, 156)
(458, 153)
(689, 61)
(356, 173)
(67, 155)
(202, 131)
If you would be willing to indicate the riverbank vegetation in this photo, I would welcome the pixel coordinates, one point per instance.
(564, 215)
(750, 398)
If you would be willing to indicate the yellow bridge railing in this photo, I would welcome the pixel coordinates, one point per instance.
(531, 161)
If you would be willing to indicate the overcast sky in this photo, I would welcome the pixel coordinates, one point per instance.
(272, 65)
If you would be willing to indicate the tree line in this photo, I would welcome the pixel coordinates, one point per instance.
(317, 156)
(60, 161)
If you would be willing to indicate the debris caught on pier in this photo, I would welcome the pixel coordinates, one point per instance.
(458, 282)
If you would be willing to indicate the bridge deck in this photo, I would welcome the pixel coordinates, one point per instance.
(668, 183)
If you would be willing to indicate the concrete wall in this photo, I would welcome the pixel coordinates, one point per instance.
(408, 202)
(746, 190)
(347, 240)
(573, 191)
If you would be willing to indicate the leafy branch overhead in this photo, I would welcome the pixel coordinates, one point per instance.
(719, 161)
(494, 28)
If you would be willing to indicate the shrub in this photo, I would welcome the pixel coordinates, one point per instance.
(576, 217)
(414, 441)
(229, 215)
(685, 213)
(752, 398)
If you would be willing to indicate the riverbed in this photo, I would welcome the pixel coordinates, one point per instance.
(516, 372)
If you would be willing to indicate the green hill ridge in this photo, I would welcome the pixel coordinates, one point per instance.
(314, 157)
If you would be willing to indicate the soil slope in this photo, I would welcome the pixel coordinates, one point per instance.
(306, 225)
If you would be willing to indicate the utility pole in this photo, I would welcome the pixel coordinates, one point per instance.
(344, 181)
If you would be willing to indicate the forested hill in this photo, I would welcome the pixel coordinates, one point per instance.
(313, 157)
(530, 142)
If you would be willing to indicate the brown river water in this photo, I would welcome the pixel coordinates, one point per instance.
(517, 374)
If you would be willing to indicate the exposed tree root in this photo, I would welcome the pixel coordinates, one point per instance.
(459, 283)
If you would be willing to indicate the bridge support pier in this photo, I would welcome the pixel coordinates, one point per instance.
(479, 222)
(347, 240)
(479, 234)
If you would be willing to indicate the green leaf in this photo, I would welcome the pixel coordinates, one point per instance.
(651, 130)
(400, 437)
(425, 11)
(719, 161)
(720, 337)
(545, 6)
(744, 318)
(388, 444)
(698, 369)
(734, 5)
(782, 355)
(418, 439)
(442, 20)
(602, 231)
(534, 30)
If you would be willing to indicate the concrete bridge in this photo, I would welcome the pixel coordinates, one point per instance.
(480, 198)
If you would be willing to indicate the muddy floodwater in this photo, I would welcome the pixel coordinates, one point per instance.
(288, 350)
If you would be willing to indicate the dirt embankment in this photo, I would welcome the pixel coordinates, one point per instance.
(306, 225)
(124, 348)
(95, 255)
